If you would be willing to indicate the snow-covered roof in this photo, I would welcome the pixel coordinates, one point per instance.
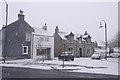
(62, 35)
(76, 36)
(41, 31)
(85, 36)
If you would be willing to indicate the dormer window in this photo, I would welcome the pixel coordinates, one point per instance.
(70, 37)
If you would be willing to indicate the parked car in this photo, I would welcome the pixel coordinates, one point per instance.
(115, 55)
(98, 55)
(66, 56)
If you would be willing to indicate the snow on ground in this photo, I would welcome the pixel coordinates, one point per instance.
(87, 65)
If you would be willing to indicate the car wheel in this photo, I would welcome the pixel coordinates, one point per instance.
(66, 59)
(59, 58)
(72, 59)
(92, 58)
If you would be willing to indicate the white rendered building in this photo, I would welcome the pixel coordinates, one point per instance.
(42, 44)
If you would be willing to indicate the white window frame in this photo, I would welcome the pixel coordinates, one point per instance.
(26, 50)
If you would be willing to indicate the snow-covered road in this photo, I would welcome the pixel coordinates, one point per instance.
(87, 65)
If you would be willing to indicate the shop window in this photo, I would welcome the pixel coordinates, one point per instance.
(41, 51)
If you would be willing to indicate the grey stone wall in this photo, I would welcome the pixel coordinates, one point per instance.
(58, 45)
(61, 45)
(16, 39)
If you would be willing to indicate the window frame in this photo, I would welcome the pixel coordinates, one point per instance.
(26, 50)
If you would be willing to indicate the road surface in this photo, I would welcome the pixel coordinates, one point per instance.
(13, 72)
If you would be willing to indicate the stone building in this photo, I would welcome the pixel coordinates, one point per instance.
(79, 45)
(20, 40)
(16, 39)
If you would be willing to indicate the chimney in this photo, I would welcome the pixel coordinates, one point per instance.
(85, 33)
(20, 15)
(45, 27)
(56, 29)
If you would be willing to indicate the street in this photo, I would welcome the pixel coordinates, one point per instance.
(13, 72)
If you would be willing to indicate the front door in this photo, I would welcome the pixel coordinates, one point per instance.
(48, 53)
(80, 52)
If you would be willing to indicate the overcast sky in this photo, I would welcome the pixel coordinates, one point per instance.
(77, 17)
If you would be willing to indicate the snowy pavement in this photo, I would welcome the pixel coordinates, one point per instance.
(87, 65)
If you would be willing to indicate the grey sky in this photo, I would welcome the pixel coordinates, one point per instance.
(69, 16)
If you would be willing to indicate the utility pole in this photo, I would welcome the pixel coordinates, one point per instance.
(5, 31)
(64, 54)
(105, 35)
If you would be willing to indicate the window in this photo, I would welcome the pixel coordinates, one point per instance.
(46, 39)
(41, 51)
(41, 39)
(70, 49)
(27, 36)
(88, 51)
(1, 35)
(25, 49)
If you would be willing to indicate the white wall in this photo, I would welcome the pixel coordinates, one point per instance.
(43, 44)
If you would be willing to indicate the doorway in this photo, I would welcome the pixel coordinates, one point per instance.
(80, 52)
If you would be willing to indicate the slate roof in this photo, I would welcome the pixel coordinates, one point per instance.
(17, 23)
(63, 34)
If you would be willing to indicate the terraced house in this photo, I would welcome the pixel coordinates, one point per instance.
(79, 45)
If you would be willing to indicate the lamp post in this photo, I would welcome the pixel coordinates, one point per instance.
(64, 55)
(5, 30)
(6, 11)
(105, 36)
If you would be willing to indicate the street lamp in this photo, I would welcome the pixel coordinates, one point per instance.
(64, 55)
(6, 11)
(5, 30)
(105, 35)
